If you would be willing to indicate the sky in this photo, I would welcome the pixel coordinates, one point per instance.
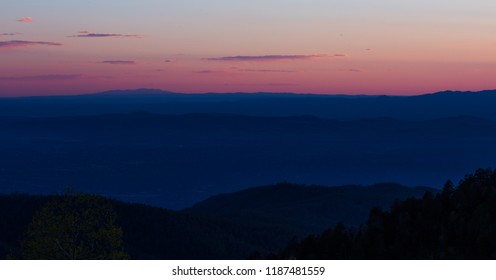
(396, 47)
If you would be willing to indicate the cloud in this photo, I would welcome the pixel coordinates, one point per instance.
(272, 57)
(281, 84)
(87, 34)
(351, 70)
(51, 77)
(22, 44)
(264, 85)
(119, 62)
(267, 71)
(100, 77)
(25, 19)
(208, 72)
(10, 34)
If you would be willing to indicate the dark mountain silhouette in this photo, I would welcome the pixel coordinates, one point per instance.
(342, 107)
(131, 92)
(296, 210)
(309, 208)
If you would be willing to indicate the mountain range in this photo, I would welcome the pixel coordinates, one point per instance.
(341, 107)
(190, 161)
(185, 148)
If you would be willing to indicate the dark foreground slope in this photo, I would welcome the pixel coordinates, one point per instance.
(156, 233)
(299, 209)
(457, 223)
(148, 232)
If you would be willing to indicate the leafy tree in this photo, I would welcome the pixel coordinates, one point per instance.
(74, 226)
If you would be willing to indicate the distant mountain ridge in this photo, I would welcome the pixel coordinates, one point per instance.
(152, 91)
(342, 107)
(141, 91)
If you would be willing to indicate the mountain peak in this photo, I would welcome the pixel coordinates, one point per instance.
(139, 91)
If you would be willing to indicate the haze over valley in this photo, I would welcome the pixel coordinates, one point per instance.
(174, 150)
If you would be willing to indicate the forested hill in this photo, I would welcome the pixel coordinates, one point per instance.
(300, 208)
(457, 223)
(156, 233)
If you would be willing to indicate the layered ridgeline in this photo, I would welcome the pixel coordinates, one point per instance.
(341, 107)
(174, 151)
(232, 226)
(182, 148)
(174, 161)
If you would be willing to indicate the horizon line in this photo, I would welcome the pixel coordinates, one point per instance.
(165, 92)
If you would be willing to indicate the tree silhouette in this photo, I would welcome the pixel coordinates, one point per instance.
(456, 223)
(74, 226)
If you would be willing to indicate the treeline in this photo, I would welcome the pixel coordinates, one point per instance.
(457, 223)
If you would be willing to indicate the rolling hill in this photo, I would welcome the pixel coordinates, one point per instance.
(297, 210)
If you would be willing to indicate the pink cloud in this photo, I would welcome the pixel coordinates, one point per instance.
(87, 34)
(267, 70)
(209, 72)
(281, 84)
(23, 44)
(272, 57)
(119, 62)
(52, 77)
(25, 19)
(264, 85)
(351, 70)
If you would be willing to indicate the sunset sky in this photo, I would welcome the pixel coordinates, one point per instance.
(304, 46)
